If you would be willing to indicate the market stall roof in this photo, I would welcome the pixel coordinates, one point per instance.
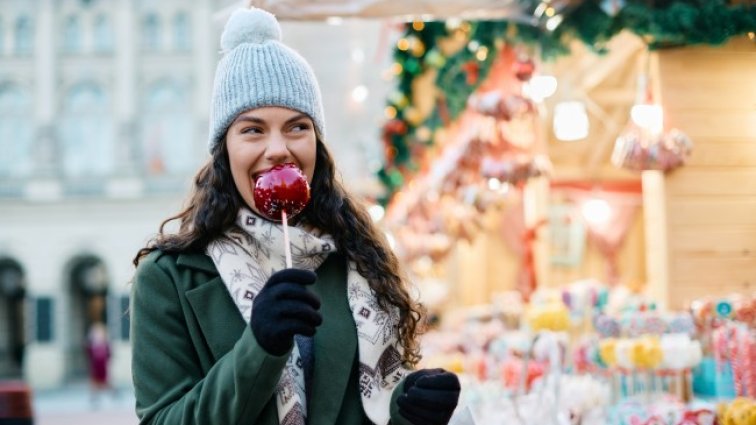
(421, 9)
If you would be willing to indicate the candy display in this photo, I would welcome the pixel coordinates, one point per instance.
(584, 355)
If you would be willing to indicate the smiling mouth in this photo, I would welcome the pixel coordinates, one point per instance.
(256, 175)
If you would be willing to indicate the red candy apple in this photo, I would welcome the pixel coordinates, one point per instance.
(282, 188)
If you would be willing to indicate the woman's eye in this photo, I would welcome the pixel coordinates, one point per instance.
(300, 127)
(251, 130)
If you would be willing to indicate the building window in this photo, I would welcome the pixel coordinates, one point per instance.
(24, 36)
(45, 312)
(182, 35)
(151, 31)
(72, 35)
(16, 132)
(167, 143)
(87, 134)
(103, 40)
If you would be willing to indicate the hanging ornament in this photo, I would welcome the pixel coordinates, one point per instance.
(523, 69)
(500, 107)
(639, 150)
(472, 72)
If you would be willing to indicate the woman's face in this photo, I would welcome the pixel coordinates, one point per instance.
(260, 138)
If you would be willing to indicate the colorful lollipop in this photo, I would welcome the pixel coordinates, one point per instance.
(280, 192)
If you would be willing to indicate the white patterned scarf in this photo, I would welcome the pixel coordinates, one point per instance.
(250, 252)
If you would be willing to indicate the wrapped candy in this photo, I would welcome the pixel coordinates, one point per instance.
(552, 317)
(646, 353)
(680, 352)
(681, 323)
(606, 326)
(741, 411)
(607, 351)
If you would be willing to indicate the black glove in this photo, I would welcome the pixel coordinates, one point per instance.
(284, 308)
(430, 397)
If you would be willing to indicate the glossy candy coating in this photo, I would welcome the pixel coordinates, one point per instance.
(282, 188)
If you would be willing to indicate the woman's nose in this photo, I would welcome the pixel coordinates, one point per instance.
(276, 151)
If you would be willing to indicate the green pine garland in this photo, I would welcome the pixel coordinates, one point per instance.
(661, 23)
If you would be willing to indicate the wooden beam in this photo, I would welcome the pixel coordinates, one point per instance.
(601, 149)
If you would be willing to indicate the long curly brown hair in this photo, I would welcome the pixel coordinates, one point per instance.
(213, 205)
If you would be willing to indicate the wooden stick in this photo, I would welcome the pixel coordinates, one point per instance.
(287, 248)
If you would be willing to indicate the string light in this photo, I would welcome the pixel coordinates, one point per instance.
(482, 53)
(418, 25)
(403, 44)
(423, 134)
(390, 112)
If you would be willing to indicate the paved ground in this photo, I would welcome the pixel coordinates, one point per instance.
(74, 405)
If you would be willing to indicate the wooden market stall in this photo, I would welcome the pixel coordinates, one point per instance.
(704, 214)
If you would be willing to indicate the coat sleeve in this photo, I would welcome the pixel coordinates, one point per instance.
(396, 417)
(169, 383)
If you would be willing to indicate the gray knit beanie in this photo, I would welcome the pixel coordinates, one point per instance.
(257, 70)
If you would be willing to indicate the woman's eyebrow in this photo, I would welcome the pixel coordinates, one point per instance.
(296, 118)
(248, 118)
(256, 120)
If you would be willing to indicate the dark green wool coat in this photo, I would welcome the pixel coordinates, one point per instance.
(196, 362)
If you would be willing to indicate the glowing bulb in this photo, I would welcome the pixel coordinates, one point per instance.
(570, 121)
(360, 93)
(376, 212)
(494, 183)
(596, 211)
(648, 117)
(482, 53)
(540, 87)
(553, 22)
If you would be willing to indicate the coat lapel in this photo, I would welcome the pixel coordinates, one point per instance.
(217, 316)
(335, 342)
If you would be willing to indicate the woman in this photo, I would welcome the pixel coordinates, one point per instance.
(224, 333)
(98, 356)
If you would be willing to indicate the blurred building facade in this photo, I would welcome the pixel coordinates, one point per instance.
(103, 120)
(104, 109)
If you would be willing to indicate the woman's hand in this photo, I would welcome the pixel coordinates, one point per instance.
(430, 397)
(284, 308)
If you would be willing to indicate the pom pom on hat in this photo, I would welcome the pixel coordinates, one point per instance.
(250, 26)
(257, 70)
